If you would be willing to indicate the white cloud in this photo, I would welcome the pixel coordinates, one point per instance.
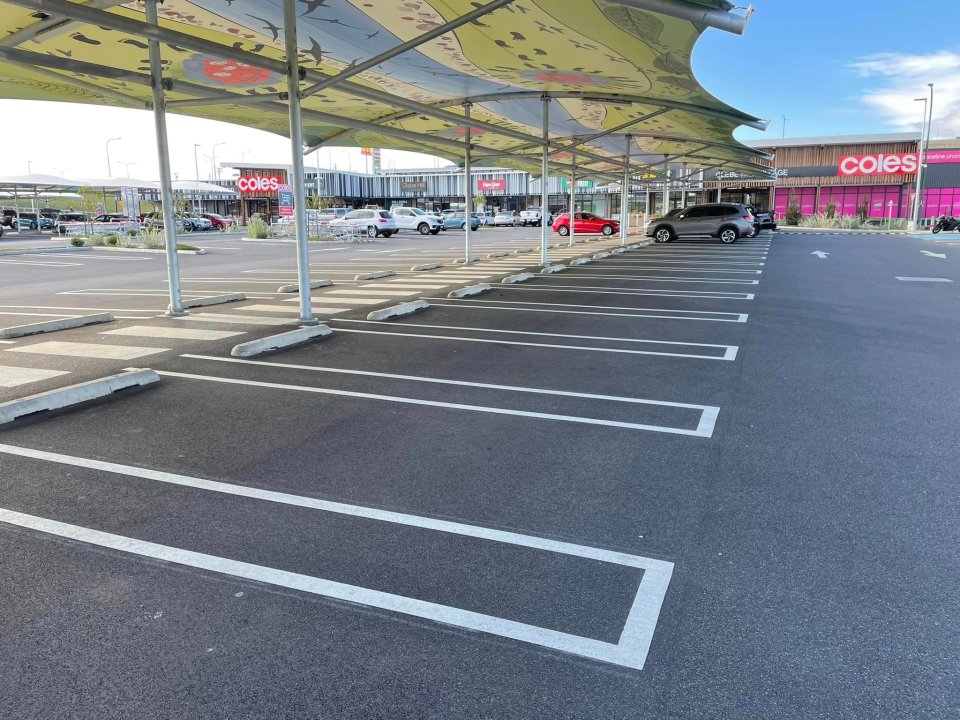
(898, 78)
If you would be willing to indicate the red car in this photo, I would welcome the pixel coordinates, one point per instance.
(219, 222)
(586, 223)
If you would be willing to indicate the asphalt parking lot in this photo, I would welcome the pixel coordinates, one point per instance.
(690, 480)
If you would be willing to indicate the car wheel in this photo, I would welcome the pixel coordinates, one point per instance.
(463, 226)
(222, 228)
(435, 231)
(563, 230)
(729, 235)
(423, 228)
(372, 231)
(663, 235)
(607, 230)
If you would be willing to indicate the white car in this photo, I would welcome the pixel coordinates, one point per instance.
(372, 222)
(506, 217)
(411, 218)
(533, 216)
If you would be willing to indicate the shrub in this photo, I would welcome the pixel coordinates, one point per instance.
(862, 211)
(831, 210)
(112, 240)
(152, 238)
(78, 241)
(184, 246)
(793, 213)
(258, 228)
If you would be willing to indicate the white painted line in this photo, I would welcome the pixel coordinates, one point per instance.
(924, 279)
(637, 291)
(54, 325)
(469, 290)
(406, 285)
(40, 263)
(461, 383)
(233, 319)
(35, 314)
(88, 350)
(85, 309)
(11, 377)
(8, 342)
(177, 333)
(637, 312)
(729, 351)
(351, 301)
(290, 310)
(74, 394)
(657, 278)
(630, 651)
(494, 341)
(296, 288)
(360, 291)
(401, 310)
(283, 340)
(632, 262)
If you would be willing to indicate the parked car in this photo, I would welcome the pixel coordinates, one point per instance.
(411, 218)
(328, 214)
(111, 218)
(35, 222)
(586, 223)
(505, 217)
(762, 219)
(485, 218)
(219, 222)
(727, 221)
(534, 216)
(456, 221)
(196, 222)
(9, 219)
(373, 222)
(65, 219)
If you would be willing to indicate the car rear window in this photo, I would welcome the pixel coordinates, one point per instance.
(385, 214)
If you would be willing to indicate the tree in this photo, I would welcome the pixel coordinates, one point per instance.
(793, 211)
(831, 210)
(862, 210)
(479, 200)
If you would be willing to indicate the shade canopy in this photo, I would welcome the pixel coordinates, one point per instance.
(196, 186)
(36, 183)
(611, 67)
(115, 183)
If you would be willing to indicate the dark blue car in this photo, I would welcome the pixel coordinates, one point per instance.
(456, 222)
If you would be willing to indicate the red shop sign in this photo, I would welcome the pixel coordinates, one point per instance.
(880, 164)
(491, 184)
(269, 183)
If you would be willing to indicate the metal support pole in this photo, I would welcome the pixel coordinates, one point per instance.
(468, 190)
(296, 150)
(683, 187)
(666, 187)
(196, 170)
(163, 154)
(573, 199)
(625, 194)
(646, 208)
(544, 179)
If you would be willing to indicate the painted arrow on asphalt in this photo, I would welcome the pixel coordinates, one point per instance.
(820, 254)
(933, 254)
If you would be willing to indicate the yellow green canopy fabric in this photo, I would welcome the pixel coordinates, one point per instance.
(611, 67)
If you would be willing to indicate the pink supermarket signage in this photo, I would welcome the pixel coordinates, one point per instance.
(937, 157)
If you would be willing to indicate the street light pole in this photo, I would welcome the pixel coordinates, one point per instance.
(126, 165)
(924, 132)
(109, 168)
(196, 170)
(216, 170)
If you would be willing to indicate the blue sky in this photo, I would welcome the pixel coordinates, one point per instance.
(839, 67)
(833, 68)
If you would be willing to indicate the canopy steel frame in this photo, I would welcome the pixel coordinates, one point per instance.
(404, 47)
(544, 179)
(468, 194)
(625, 192)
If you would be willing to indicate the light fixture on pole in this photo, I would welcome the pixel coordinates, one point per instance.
(216, 170)
(29, 171)
(109, 168)
(126, 165)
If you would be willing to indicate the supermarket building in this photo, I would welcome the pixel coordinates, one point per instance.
(847, 171)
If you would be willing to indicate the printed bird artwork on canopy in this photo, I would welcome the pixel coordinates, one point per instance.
(611, 68)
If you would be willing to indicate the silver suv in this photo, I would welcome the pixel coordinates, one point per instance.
(727, 221)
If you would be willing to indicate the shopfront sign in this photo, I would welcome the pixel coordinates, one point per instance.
(879, 164)
(270, 183)
(491, 185)
(285, 200)
(938, 157)
(413, 186)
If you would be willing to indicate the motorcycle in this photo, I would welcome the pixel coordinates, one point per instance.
(946, 222)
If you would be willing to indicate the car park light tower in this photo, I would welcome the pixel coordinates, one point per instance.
(922, 147)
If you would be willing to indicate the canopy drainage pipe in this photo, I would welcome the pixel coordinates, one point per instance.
(163, 154)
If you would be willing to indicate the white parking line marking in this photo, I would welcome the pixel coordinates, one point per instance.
(35, 314)
(13, 261)
(234, 319)
(637, 312)
(552, 346)
(657, 278)
(325, 298)
(70, 307)
(361, 292)
(589, 268)
(630, 651)
(178, 333)
(88, 350)
(730, 351)
(289, 310)
(11, 377)
(407, 286)
(581, 289)
(924, 279)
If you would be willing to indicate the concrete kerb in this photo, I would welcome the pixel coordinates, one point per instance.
(500, 254)
(296, 288)
(40, 251)
(74, 394)
(148, 251)
(54, 325)
(618, 250)
(580, 261)
(553, 269)
(401, 310)
(374, 275)
(282, 340)
(521, 251)
(601, 255)
(214, 300)
(426, 266)
(518, 278)
(469, 290)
